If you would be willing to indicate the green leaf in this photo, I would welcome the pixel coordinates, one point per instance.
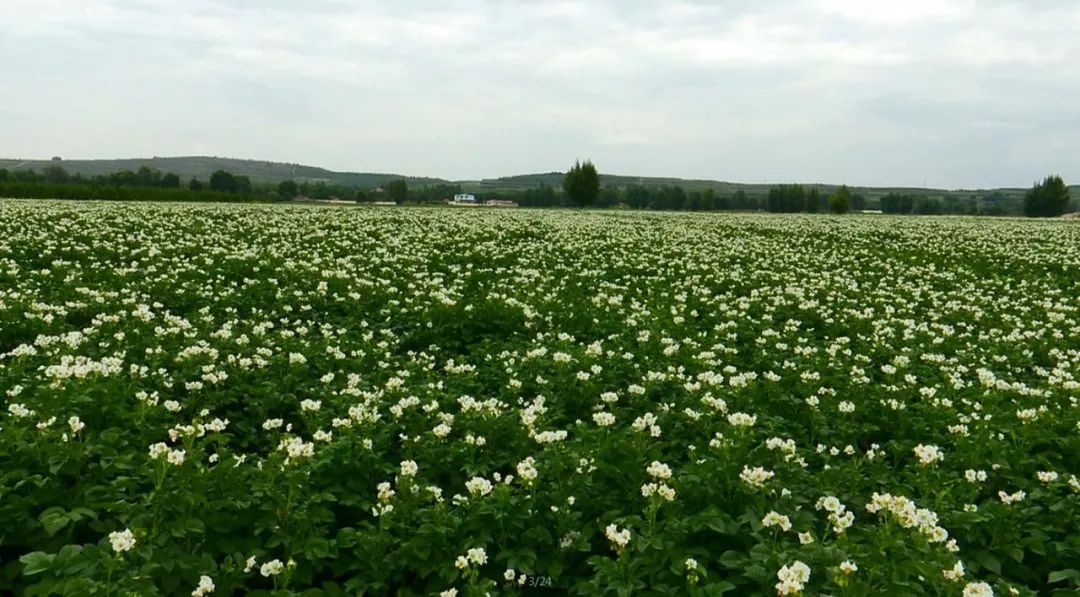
(1060, 575)
(718, 588)
(53, 519)
(77, 514)
(731, 559)
(988, 561)
(36, 562)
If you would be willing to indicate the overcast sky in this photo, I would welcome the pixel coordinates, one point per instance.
(947, 93)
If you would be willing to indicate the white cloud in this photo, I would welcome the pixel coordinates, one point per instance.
(896, 12)
(867, 92)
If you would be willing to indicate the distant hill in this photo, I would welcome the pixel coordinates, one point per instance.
(201, 166)
(274, 172)
(554, 179)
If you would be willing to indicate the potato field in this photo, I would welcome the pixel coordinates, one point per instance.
(288, 400)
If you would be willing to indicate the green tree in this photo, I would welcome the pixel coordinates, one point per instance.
(840, 200)
(243, 184)
(362, 196)
(170, 181)
(786, 198)
(709, 200)
(582, 183)
(1047, 199)
(895, 203)
(739, 200)
(147, 177)
(222, 182)
(287, 189)
(927, 206)
(55, 173)
(398, 191)
(194, 185)
(609, 197)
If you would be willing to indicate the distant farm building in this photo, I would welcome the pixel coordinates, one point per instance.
(469, 200)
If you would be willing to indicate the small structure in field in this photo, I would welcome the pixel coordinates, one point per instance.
(470, 200)
(464, 199)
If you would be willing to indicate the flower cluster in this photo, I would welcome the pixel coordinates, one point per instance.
(793, 578)
(619, 538)
(839, 516)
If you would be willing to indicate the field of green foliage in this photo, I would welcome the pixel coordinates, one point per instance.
(229, 400)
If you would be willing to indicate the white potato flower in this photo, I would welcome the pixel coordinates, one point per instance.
(122, 541)
(618, 538)
(478, 486)
(928, 454)
(776, 519)
(792, 577)
(272, 568)
(205, 587)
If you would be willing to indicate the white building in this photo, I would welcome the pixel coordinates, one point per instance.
(465, 199)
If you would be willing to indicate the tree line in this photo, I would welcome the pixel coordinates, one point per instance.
(581, 187)
(145, 184)
(1049, 198)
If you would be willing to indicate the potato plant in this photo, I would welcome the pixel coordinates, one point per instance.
(267, 400)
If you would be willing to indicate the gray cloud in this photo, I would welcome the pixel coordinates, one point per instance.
(955, 93)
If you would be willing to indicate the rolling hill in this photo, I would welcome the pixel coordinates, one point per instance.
(201, 166)
(273, 172)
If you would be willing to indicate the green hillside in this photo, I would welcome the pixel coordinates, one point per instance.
(554, 179)
(274, 172)
(201, 167)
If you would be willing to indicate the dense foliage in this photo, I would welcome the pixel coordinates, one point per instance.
(840, 200)
(1048, 198)
(792, 198)
(146, 184)
(200, 167)
(397, 191)
(227, 182)
(330, 401)
(582, 184)
(55, 182)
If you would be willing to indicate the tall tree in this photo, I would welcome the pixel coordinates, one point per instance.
(739, 200)
(147, 177)
(840, 200)
(1047, 199)
(287, 189)
(786, 198)
(170, 181)
(927, 205)
(582, 183)
(895, 203)
(709, 200)
(398, 191)
(194, 185)
(54, 173)
(243, 184)
(222, 182)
